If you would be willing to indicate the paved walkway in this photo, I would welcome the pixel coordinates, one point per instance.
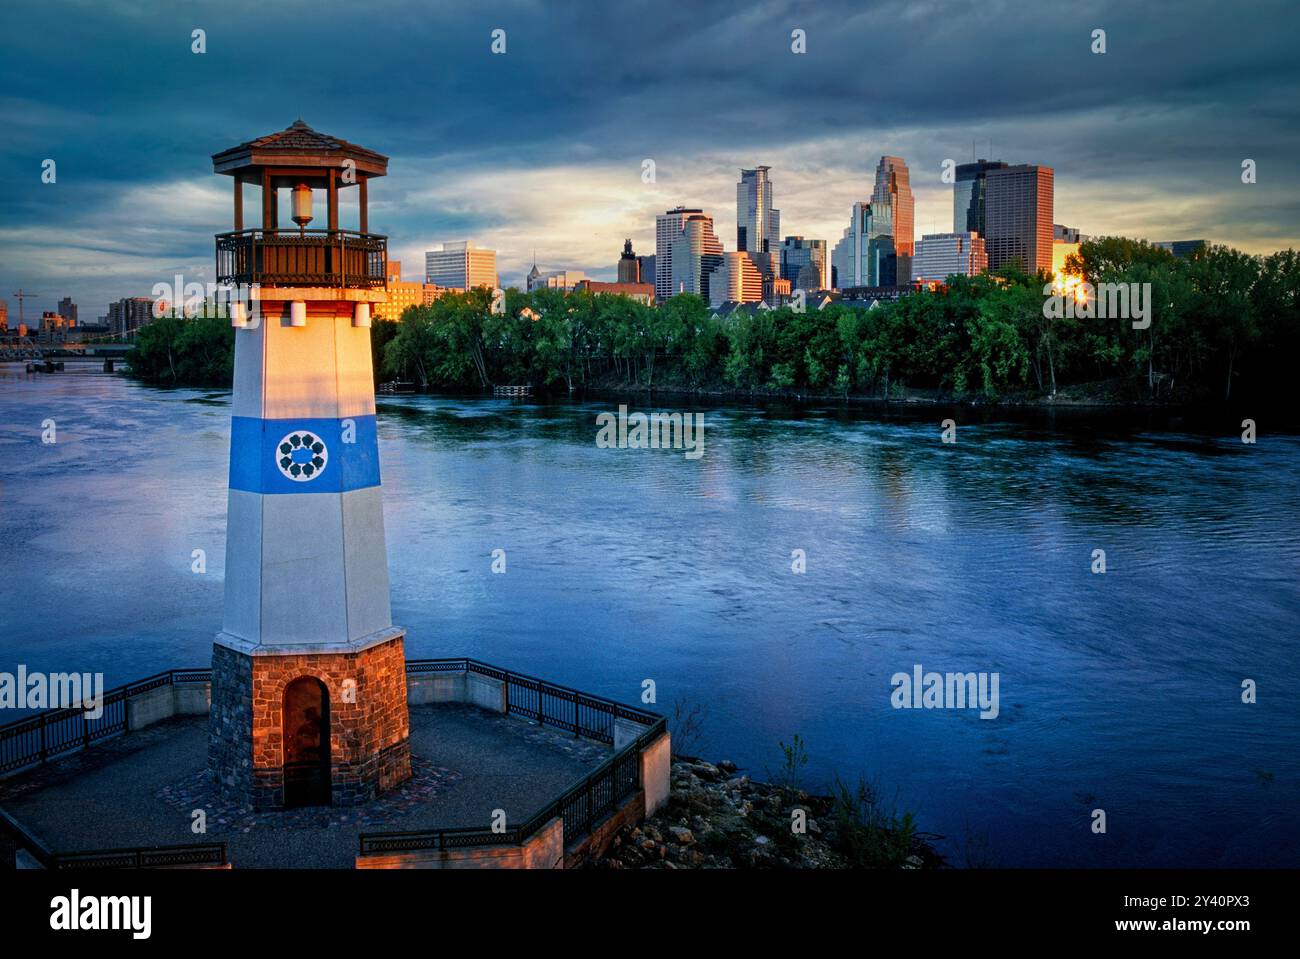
(141, 790)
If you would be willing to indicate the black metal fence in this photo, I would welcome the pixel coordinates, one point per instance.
(144, 857)
(545, 703)
(55, 732)
(580, 806)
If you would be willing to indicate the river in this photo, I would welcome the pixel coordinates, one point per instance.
(1119, 691)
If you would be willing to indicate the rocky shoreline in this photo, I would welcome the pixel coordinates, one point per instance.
(719, 818)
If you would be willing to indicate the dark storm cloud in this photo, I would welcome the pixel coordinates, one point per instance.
(1152, 132)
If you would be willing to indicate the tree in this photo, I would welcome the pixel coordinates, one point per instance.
(412, 349)
(176, 351)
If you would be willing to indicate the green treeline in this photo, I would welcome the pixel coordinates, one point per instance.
(1224, 325)
(1220, 321)
(174, 351)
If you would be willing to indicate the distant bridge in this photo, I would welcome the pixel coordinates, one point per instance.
(57, 359)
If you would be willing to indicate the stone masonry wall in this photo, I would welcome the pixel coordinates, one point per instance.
(369, 726)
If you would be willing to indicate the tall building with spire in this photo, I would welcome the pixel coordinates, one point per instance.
(629, 265)
(894, 189)
(758, 226)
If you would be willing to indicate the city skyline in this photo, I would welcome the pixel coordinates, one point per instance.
(132, 204)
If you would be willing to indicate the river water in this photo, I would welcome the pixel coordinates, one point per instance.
(1119, 691)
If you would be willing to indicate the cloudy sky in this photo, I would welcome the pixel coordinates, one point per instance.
(542, 147)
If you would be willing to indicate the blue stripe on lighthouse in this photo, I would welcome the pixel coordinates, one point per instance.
(257, 461)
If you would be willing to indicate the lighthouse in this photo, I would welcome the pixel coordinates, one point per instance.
(308, 671)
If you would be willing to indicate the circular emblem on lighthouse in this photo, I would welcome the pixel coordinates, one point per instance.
(301, 456)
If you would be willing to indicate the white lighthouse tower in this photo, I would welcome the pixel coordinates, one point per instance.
(308, 679)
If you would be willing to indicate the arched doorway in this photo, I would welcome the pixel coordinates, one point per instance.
(306, 743)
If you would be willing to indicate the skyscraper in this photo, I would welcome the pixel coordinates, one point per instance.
(68, 310)
(865, 254)
(735, 279)
(1018, 216)
(968, 195)
(797, 254)
(1181, 248)
(130, 313)
(461, 266)
(668, 227)
(893, 186)
(940, 255)
(695, 253)
(629, 266)
(758, 226)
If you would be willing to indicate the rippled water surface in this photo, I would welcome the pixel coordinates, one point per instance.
(1119, 691)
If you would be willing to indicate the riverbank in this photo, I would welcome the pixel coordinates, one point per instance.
(719, 818)
(1101, 396)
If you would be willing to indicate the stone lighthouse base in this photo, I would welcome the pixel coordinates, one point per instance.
(309, 728)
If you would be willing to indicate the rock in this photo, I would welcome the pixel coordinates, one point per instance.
(631, 856)
(718, 819)
(761, 853)
(681, 834)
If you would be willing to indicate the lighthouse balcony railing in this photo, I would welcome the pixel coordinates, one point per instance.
(328, 258)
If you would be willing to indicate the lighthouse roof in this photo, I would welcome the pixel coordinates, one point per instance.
(297, 146)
